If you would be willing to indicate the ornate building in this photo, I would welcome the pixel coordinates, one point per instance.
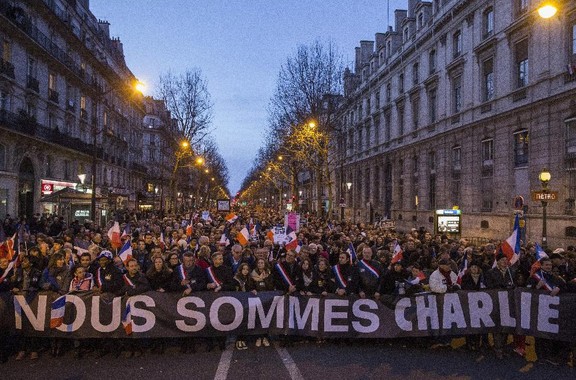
(462, 104)
(68, 111)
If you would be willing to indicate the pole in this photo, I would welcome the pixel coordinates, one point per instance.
(544, 232)
(93, 183)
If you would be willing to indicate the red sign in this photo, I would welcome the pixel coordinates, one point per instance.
(47, 187)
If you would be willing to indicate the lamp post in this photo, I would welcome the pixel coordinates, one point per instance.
(544, 177)
(348, 187)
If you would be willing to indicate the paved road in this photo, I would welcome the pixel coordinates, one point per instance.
(357, 360)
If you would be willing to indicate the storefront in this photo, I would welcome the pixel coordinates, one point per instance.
(72, 204)
(49, 187)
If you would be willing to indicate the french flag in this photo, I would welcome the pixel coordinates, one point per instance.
(352, 252)
(397, 255)
(162, 242)
(13, 263)
(126, 251)
(231, 218)
(114, 235)
(291, 239)
(511, 246)
(57, 312)
(539, 254)
(127, 319)
(243, 236)
(463, 269)
(127, 231)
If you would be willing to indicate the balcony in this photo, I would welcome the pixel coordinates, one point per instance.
(33, 84)
(27, 125)
(53, 96)
(7, 69)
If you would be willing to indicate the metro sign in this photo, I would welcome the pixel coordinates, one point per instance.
(551, 196)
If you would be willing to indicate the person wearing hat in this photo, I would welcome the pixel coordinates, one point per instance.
(500, 277)
(443, 279)
(474, 279)
(107, 277)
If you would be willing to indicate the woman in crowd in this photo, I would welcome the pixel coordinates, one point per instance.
(173, 261)
(307, 274)
(322, 279)
(261, 280)
(473, 279)
(242, 278)
(159, 275)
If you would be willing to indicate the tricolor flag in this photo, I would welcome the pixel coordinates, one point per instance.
(243, 236)
(463, 269)
(162, 242)
(369, 268)
(340, 278)
(397, 255)
(189, 229)
(13, 263)
(7, 247)
(352, 252)
(57, 312)
(231, 218)
(540, 254)
(126, 252)
(415, 281)
(127, 231)
(298, 247)
(212, 276)
(285, 276)
(127, 319)
(511, 246)
(224, 240)
(291, 239)
(539, 276)
(114, 235)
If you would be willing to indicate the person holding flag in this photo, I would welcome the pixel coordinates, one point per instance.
(370, 275)
(550, 351)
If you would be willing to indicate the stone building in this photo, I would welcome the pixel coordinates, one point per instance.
(67, 108)
(462, 104)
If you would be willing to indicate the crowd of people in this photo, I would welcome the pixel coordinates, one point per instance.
(186, 254)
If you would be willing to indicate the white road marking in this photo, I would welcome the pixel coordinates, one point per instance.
(224, 364)
(289, 363)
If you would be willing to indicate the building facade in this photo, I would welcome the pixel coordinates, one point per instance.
(462, 104)
(68, 113)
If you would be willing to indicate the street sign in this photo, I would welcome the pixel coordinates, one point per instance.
(551, 196)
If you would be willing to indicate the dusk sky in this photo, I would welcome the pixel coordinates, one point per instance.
(239, 45)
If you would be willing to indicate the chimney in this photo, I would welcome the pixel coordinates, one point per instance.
(380, 40)
(412, 8)
(399, 16)
(105, 28)
(358, 62)
(367, 49)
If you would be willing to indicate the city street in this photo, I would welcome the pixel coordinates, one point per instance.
(355, 360)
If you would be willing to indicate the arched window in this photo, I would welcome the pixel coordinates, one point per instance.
(2, 157)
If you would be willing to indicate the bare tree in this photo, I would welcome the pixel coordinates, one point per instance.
(307, 85)
(189, 102)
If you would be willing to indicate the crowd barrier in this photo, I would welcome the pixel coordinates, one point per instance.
(207, 314)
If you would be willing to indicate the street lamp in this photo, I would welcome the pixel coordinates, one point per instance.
(348, 187)
(547, 9)
(544, 177)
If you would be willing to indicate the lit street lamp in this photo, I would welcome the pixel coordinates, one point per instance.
(544, 177)
(547, 9)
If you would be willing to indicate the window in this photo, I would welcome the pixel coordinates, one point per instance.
(31, 69)
(401, 183)
(457, 44)
(2, 157)
(432, 192)
(432, 161)
(415, 75)
(401, 84)
(377, 99)
(571, 137)
(3, 203)
(487, 152)
(368, 136)
(48, 166)
(6, 50)
(388, 92)
(415, 113)
(456, 157)
(368, 107)
(420, 20)
(388, 48)
(521, 52)
(360, 140)
(521, 140)
(377, 131)
(406, 35)
(573, 39)
(67, 173)
(432, 62)
(432, 105)
(387, 126)
(457, 94)
(521, 6)
(488, 80)
(400, 121)
(52, 81)
(488, 22)
(4, 100)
